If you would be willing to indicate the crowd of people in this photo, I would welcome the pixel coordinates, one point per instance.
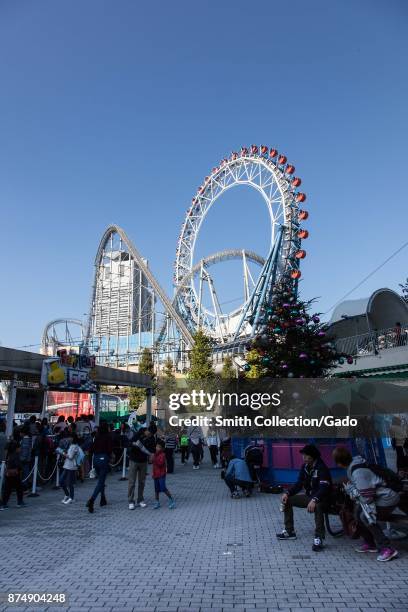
(81, 448)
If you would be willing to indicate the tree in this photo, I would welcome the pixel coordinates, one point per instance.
(228, 370)
(293, 342)
(146, 366)
(404, 288)
(200, 358)
(168, 375)
(253, 367)
(136, 397)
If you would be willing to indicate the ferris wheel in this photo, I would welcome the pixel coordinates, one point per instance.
(269, 173)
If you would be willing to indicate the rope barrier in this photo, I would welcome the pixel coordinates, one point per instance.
(112, 465)
(27, 477)
(52, 474)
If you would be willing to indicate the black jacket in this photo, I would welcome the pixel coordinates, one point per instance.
(137, 443)
(315, 480)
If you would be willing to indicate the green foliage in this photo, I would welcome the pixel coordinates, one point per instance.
(253, 358)
(293, 342)
(404, 289)
(136, 397)
(228, 371)
(200, 358)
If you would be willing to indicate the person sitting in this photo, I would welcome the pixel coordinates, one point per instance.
(315, 478)
(376, 502)
(237, 475)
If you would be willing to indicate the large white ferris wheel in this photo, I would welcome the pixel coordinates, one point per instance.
(268, 172)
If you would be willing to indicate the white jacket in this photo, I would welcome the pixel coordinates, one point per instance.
(70, 463)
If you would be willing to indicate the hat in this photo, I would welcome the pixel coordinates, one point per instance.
(311, 451)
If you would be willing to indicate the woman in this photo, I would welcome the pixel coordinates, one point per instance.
(102, 450)
(67, 480)
(213, 444)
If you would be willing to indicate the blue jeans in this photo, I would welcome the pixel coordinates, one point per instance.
(101, 465)
(67, 482)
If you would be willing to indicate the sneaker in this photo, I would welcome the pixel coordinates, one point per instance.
(132, 506)
(156, 505)
(386, 554)
(215, 466)
(66, 498)
(3, 508)
(172, 504)
(69, 501)
(90, 505)
(286, 535)
(317, 545)
(22, 505)
(235, 495)
(366, 548)
(142, 504)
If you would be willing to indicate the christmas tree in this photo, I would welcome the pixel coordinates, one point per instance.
(293, 343)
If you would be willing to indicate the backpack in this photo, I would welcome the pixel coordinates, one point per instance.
(79, 457)
(391, 478)
(184, 441)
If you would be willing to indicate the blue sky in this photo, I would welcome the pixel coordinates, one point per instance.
(113, 112)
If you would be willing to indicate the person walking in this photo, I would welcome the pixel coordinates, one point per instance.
(184, 444)
(213, 444)
(101, 449)
(159, 476)
(26, 449)
(67, 480)
(138, 457)
(170, 444)
(12, 479)
(196, 437)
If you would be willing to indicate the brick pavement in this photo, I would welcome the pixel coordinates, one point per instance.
(210, 553)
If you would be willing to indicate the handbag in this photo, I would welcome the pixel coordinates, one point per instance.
(11, 472)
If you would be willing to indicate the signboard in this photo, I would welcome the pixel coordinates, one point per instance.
(29, 401)
(69, 372)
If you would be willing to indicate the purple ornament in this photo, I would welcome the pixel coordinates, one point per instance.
(302, 356)
(321, 334)
(285, 305)
(316, 319)
(299, 321)
(284, 366)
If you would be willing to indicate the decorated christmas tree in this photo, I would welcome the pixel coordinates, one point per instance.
(293, 343)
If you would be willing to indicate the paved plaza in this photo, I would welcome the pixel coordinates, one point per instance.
(210, 553)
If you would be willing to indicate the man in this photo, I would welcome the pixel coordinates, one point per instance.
(237, 475)
(138, 455)
(315, 478)
(375, 502)
(169, 448)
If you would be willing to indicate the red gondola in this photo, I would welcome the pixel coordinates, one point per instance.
(303, 214)
(273, 153)
(289, 169)
(282, 159)
(244, 151)
(295, 274)
(301, 254)
(254, 149)
(303, 234)
(296, 182)
(301, 197)
(264, 149)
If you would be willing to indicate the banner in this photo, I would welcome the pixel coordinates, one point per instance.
(69, 372)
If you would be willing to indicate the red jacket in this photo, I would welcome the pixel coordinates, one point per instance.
(159, 464)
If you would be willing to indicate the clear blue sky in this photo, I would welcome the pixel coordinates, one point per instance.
(113, 112)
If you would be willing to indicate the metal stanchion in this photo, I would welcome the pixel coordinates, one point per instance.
(34, 487)
(2, 473)
(123, 477)
(57, 478)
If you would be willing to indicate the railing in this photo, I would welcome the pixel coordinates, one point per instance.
(374, 342)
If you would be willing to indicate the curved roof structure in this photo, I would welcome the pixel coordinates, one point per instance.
(381, 310)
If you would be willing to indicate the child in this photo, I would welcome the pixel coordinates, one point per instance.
(159, 475)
